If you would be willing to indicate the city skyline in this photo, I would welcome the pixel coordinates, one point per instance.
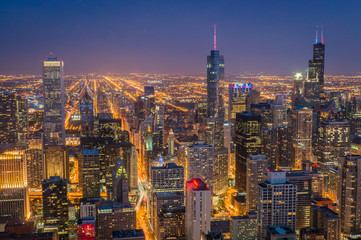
(169, 37)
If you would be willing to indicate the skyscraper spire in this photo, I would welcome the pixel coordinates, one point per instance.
(322, 35)
(316, 41)
(215, 37)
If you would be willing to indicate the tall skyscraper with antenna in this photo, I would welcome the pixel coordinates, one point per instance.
(53, 82)
(314, 85)
(215, 75)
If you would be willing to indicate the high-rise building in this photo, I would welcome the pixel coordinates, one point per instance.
(148, 90)
(167, 178)
(120, 183)
(303, 181)
(171, 142)
(86, 112)
(277, 202)
(279, 113)
(56, 162)
(134, 234)
(298, 89)
(34, 161)
(86, 228)
(8, 123)
(13, 185)
(326, 220)
(257, 165)
(237, 95)
(215, 76)
(88, 207)
(301, 136)
(244, 227)
(89, 171)
(333, 141)
(22, 124)
(55, 201)
(53, 83)
(349, 187)
(198, 209)
(200, 163)
(248, 141)
(168, 212)
(314, 85)
(112, 216)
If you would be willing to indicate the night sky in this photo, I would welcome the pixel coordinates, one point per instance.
(175, 36)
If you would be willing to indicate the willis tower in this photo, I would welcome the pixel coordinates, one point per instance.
(314, 86)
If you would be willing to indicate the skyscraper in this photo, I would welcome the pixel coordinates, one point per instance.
(55, 201)
(198, 209)
(302, 136)
(13, 183)
(200, 163)
(248, 141)
(256, 168)
(277, 202)
(86, 112)
(53, 82)
(314, 85)
(349, 187)
(8, 133)
(120, 183)
(56, 162)
(237, 95)
(333, 141)
(215, 75)
(171, 142)
(89, 171)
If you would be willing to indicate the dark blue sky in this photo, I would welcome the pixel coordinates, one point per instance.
(174, 36)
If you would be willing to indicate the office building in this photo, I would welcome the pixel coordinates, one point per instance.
(304, 182)
(302, 136)
(55, 201)
(327, 221)
(56, 162)
(248, 141)
(349, 186)
(171, 143)
(237, 94)
(167, 178)
(13, 185)
(34, 162)
(215, 76)
(200, 162)
(112, 216)
(169, 215)
(333, 141)
(314, 85)
(244, 227)
(88, 207)
(53, 84)
(8, 120)
(86, 112)
(22, 123)
(257, 165)
(198, 209)
(277, 202)
(120, 183)
(89, 171)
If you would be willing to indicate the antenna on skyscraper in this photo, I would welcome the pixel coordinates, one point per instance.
(322, 34)
(215, 37)
(316, 34)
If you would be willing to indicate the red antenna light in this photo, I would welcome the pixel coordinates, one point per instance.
(215, 37)
(322, 35)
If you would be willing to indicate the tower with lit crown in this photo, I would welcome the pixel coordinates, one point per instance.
(314, 85)
(53, 82)
(215, 74)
